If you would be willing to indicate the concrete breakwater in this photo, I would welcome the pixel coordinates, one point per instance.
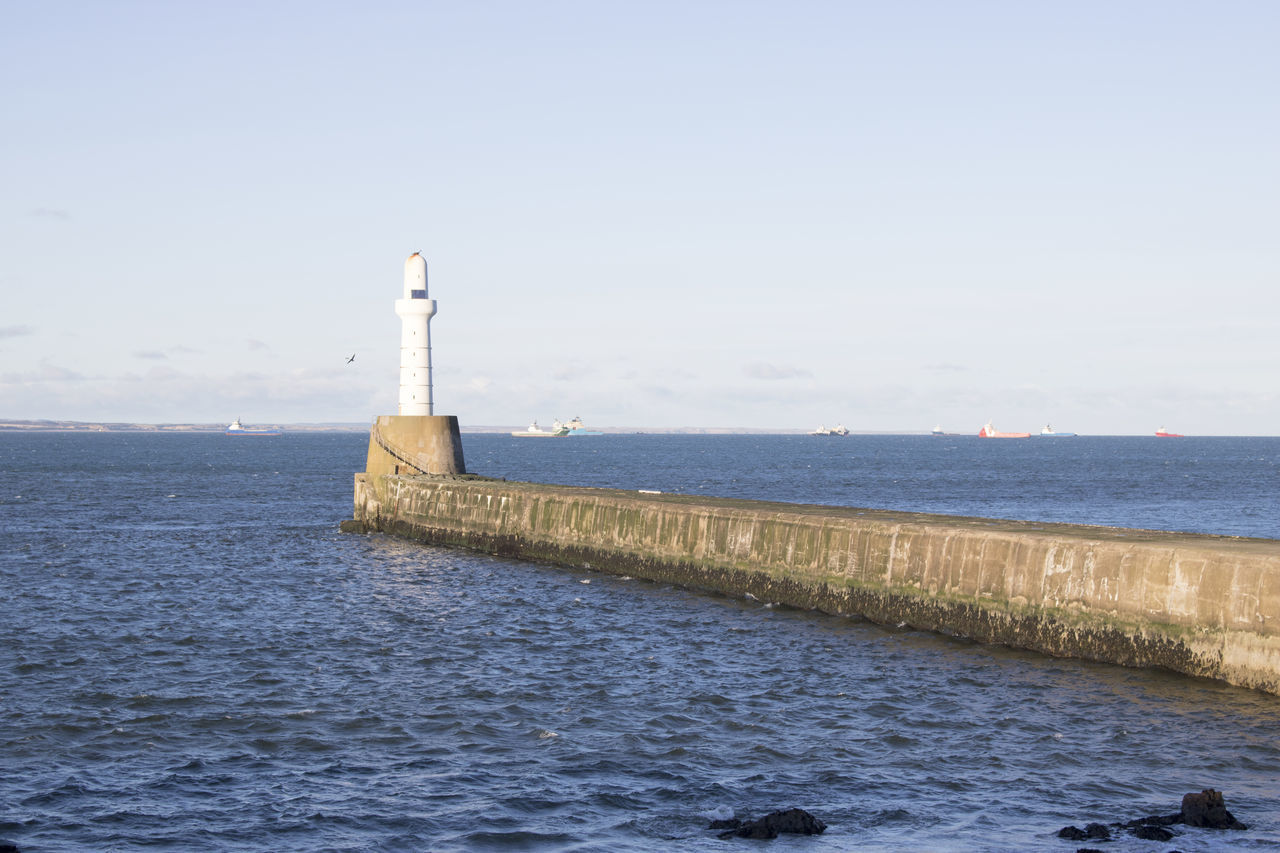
(1201, 605)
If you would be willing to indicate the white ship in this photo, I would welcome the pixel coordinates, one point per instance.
(237, 428)
(534, 431)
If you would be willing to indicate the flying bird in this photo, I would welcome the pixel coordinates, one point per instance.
(353, 358)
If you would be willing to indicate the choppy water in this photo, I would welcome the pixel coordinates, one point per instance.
(192, 658)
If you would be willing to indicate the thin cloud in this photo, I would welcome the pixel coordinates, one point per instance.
(16, 331)
(572, 374)
(52, 372)
(946, 368)
(50, 213)
(253, 343)
(45, 373)
(771, 372)
(664, 391)
(152, 355)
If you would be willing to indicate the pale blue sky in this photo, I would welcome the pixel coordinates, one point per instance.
(751, 214)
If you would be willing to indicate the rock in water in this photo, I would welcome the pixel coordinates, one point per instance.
(1208, 809)
(795, 821)
(1093, 830)
(1147, 832)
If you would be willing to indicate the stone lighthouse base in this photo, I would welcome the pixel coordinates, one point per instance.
(415, 444)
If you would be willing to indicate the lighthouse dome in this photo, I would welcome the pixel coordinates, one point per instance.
(415, 277)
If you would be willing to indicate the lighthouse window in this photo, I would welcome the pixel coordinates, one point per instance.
(417, 294)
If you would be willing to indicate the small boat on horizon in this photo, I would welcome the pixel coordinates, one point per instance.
(1164, 433)
(1050, 432)
(988, 431)
(237, 428)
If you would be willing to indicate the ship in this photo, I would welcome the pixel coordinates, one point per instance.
(577, 427)
(557, 430)
(937, 430)
(838, 429)
(989, 431)
(1050, 432)
(1164, 433)
(237, 428)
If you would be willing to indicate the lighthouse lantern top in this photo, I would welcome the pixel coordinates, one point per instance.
(415, 277)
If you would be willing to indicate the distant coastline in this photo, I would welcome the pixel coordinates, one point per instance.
(49, 425)
(16, 425)
(688, 430)
(123, 426)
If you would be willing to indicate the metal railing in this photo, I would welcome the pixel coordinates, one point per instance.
(395, 452)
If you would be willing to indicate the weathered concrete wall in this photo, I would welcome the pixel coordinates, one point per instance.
(1202, 605)
(415, 444)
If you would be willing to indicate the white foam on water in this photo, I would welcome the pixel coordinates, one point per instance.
(717, 813)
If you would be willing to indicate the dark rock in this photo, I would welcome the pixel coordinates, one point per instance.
(730, 823)
(753, 829)
(1088, 850)
(5, 847)
(1093, 830)
(1152, 833)
(1205, 809)
(795, 821)
(1208, 809)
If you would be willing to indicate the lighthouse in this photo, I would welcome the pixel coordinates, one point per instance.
(415, 441)
(415, 311)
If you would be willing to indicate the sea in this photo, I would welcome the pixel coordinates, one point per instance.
(193, 657)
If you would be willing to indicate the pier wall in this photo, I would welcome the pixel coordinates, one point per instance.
(1201, 605)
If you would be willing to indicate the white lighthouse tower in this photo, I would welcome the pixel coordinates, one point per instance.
(416, 441)
(415, 311)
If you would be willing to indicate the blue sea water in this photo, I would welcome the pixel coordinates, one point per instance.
(193, 658)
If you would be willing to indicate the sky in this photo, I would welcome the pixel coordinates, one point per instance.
(648, 214)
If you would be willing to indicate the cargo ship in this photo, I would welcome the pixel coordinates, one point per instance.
(989, 431)
(1050, 432)
(558, 430)
(237, 428)
(1164, 433)
(577, 427)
